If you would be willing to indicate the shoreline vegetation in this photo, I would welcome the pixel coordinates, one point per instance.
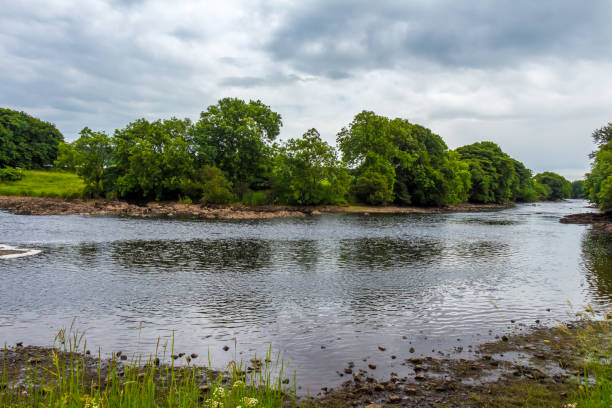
(543, 367)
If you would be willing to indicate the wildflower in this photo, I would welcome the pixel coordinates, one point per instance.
(210, 403)
(24, 392)
(250, 402)
(219, 393)
(238, 384)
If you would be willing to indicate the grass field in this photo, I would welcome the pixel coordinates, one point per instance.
(40, 183)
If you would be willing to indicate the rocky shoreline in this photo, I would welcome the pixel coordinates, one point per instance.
(601, 222)
(546, 365)
(58, 206)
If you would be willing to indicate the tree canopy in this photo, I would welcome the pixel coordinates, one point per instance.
(598, 184)
(27, 142)
(559, 186)
(232, 153)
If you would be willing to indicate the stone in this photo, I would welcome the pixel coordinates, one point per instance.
(410, 390)
(225, 348)
(419, 377)
(411, 349)
(194, 355)
(372, 366)
(382, 348)
(379, 387)
(348, 371)
(372, 405)
(395, 399)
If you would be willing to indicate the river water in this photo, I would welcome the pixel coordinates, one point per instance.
(322, 290)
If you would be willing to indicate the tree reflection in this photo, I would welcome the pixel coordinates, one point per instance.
(597, 257)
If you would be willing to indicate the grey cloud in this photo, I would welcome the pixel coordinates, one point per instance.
(341, 36)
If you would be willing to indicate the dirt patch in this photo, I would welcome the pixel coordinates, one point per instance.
(59, 206)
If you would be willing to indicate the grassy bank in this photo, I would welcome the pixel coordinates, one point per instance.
(68, 377)
(39, 183)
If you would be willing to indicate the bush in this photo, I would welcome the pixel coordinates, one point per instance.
(11, 174)
(215, 187)
(372, 188)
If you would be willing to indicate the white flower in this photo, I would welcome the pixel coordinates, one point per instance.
(250, 402)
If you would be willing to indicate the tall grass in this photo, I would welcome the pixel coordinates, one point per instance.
(40, 183)
(70, 381)
(595, 342)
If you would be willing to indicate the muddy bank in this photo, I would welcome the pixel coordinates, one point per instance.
(541, 368)
(601, 222)
(58, 206)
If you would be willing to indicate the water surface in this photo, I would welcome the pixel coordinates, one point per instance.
(322, 290)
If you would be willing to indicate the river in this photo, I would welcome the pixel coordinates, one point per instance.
(321, 290)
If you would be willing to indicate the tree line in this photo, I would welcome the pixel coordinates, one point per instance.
(598, 184)
(232, 153)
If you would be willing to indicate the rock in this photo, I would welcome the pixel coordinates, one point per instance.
(419, 377)
(225, 348)
(356, 377)
(286, 381)
(19, 344)
(372, 405)
(404, 337)
(370, 379)
(123, 357)
(181, 354)
(395, 399)
(410, 390)
(512, 321)
(156, 361)
(418, 368)
(537, 321)
(204, 388)
(365, 390)
(504, 338)
(118, 354)
(372, 366)
(194, 355)
(174, 356)
(382, 348)
(348, 371)
(379, 387)
(391, 387)
(411, 349)
(487, 357)
(417, 360)
(393, 356)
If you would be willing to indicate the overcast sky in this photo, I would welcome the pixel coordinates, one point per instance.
(533, 76)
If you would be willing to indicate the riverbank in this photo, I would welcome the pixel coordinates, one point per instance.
(601, 222)
(543, 367)
(59, 206)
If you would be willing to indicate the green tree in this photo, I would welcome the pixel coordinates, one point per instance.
(152, 160)
(495, 176)
(560, 187)
(90, 155)
(27, 142)
(237, 137)
(307, 171)
(578, 189)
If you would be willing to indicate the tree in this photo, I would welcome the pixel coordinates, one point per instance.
(578, 189)
(27, 142)
(236, 137)
(598, 184)
(395, 160)
(307, 171)
(152, 159)
(90, 155)
(495, 176)
(560, 187)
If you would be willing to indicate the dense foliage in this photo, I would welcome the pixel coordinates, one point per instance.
(394, 160)
(25, 141)
(598, 185)
(231, 153)
(578, 189)
(557, 187)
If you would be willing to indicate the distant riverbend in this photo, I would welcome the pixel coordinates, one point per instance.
(58, 206)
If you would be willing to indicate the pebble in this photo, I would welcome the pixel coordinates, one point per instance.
(410, 391)
(348, 371)
(372, 366)
(419, 377)
(372, 405)
(379, 387)
(504, 338)
(394, 399)
(411, 349)
(225, 348)
(393, 356)
(194, 355)
(123, 357)
(369, 378)
(382, 348)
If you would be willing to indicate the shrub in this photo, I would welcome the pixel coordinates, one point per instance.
(11, 174)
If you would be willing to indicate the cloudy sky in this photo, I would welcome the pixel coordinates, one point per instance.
(533, 76)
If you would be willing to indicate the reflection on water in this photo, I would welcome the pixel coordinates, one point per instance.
(597, 252)
(345, 282)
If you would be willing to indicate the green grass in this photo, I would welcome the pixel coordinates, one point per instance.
(68, 380)
(39, 183)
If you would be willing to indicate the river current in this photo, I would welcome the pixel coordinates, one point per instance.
(322, 290)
